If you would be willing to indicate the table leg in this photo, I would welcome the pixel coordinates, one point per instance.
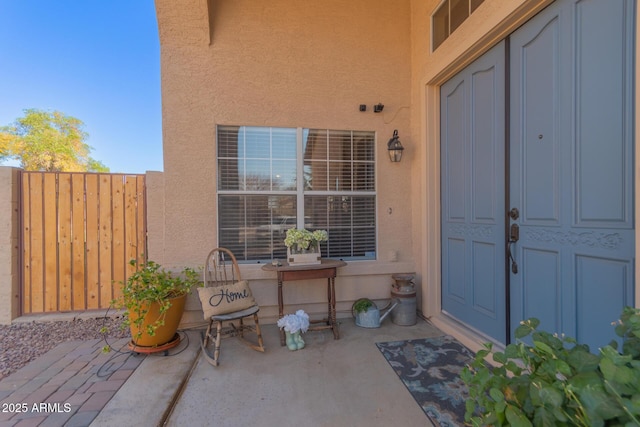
(280, 310)
(329, 302)
(332, 305)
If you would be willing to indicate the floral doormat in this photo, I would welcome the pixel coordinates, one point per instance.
(430, 369)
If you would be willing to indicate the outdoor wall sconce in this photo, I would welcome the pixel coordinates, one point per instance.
(395, 147)
(378, 108)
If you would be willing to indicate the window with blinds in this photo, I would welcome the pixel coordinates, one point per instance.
(272, 179)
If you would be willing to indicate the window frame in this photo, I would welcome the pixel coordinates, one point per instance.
(472, 6)
(301, 193)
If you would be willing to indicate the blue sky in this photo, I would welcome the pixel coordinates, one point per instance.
(98, 61)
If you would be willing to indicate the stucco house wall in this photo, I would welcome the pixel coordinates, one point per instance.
(281, 63)
(285, 64)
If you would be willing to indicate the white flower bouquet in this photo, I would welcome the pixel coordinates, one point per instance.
(293, 323)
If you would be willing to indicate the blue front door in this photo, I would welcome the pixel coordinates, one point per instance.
(571, 169)
(473, 171)
(568, 194)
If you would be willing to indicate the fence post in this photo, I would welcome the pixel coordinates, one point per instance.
(9, 244)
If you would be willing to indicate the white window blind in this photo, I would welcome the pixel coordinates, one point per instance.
(260, 194)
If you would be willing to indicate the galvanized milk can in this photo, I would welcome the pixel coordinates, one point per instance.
(403, 291)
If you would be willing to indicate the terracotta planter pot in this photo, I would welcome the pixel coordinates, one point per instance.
(163, 334)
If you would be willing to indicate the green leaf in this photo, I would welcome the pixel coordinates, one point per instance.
(516, 417)
(584, 380)
(543, 347)
(496, 394)
(470, 409)
(551, 396)
(511, 351)
(583, 361)
(544, 418)
(598, 404)
(499, 357)
(522, 331)
(512, 366)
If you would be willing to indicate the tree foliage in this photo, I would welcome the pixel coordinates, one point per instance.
(48, 141)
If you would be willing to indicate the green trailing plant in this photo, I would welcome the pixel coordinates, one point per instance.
(148, 284)
(555, 381)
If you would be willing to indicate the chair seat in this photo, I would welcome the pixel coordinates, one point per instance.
(236, 314)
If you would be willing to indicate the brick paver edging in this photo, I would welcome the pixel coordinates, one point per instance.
(68, 386)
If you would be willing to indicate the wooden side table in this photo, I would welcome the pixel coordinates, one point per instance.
(326, 269)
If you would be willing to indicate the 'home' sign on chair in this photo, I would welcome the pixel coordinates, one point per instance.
(225, 299)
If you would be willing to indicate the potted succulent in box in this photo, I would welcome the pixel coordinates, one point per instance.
(303, 246)
(153, 300)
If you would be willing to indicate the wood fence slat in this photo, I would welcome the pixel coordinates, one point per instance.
(141, 218)
(65, 283)
(26, 244)
(79, 254)
(50, 243)
(119, 253)
(37, 243)
(130, 223)
(106, 224)
(92, 242)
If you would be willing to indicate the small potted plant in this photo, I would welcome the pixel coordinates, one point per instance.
(153, 300)
(303, 246)
(294, 325)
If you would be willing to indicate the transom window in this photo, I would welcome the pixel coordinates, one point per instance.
(449, 16)
(272, 179)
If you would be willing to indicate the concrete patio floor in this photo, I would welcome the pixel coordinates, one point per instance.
(345, 382)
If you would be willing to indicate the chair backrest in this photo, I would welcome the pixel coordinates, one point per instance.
(221, 268)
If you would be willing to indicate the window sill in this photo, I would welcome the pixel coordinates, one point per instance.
(353, 268)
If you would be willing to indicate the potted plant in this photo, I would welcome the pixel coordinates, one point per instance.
(294, 325)
(555, 381)
(153, 300)
(303, 246)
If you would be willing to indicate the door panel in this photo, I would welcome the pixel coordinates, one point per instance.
(472, 164)
(542, 267)
(571, 168)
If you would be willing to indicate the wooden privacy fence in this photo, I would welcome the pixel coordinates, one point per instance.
(79, 231)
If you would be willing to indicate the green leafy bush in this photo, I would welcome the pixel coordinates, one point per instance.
(557, 381)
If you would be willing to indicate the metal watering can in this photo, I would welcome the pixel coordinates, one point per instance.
(367, 313)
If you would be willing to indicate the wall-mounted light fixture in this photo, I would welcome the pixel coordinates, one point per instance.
(378, 108)
(395, 147)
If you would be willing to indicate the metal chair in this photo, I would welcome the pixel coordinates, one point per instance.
(222, 269)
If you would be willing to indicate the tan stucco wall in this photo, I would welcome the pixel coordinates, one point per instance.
(290, 64)
(9, 247)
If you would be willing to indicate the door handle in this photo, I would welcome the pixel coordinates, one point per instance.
(514, 233)
(514, 236)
